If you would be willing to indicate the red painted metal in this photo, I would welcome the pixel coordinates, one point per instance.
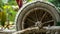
(19, 2)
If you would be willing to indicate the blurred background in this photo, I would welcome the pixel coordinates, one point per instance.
(9, 9)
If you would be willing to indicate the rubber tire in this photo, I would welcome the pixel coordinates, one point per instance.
(31, 5)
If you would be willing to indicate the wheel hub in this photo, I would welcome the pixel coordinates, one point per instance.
(38, 23)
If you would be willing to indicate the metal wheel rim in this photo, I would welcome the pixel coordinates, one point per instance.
(43, 15)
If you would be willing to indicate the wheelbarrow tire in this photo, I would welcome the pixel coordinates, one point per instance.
(30, 6)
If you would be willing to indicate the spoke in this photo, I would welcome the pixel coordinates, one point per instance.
(30, 20)
(48, 21)
(36, 16)
(43, 16)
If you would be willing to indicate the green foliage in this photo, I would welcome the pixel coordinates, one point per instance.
(29, 0)
(10, 11)
(1, 4)
(12, 2)
(7, 7)
(55, 2)
(3, 18)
